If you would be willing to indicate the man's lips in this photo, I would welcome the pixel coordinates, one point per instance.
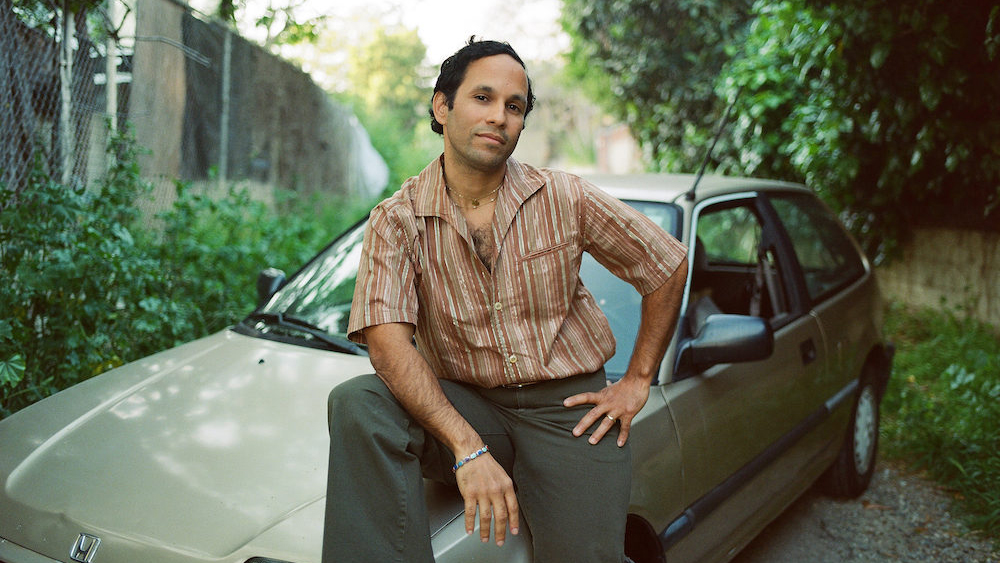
(499, 139)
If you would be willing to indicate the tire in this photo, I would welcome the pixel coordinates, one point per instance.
(642, 545)
(852, 471)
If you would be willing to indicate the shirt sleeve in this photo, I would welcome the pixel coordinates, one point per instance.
(385, 291)
(626, 242)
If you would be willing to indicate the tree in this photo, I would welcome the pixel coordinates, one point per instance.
(31, 78)
(892, 113)
(384, 73)
(391, 98)
(655, 65)
(17, 114)
(274, 23)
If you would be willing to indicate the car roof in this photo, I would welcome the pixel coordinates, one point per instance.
(672, 187)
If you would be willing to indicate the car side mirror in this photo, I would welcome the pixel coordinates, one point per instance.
(726, 339)
(269, 281)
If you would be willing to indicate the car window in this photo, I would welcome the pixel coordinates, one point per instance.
(666, 216)
(619, 301)
(730, 235)
(322, 291)
(733, 270)
(827, 255)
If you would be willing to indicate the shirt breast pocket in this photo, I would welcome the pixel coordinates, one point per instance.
(549, 277)
(548, 280)
(546, 252)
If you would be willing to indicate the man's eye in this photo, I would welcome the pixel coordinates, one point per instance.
(515, 108)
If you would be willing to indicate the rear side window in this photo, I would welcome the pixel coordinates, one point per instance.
(829, 259)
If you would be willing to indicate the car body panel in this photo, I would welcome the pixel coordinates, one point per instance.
(140, 452)
(657, 482)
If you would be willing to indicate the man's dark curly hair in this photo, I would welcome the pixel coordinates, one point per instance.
(454, 67)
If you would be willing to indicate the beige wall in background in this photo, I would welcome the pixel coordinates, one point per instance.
(948, 269)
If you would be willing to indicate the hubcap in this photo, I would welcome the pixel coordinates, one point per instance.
(864, 430)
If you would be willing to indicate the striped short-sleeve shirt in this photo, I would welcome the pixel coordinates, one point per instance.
(526, 318)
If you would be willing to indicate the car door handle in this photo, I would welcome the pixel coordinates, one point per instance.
(808, 351)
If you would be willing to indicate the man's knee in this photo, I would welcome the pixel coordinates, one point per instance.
(355, 401)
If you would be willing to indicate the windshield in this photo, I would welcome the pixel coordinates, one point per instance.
(619, 301)
(320, 294)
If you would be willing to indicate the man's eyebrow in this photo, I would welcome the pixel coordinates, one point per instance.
(490, 90)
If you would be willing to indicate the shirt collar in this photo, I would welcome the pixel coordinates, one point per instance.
(431, 198)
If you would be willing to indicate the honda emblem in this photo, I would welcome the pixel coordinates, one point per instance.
(85, 548)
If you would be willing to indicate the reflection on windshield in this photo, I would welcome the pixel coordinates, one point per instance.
(619, 301)
(322, 291)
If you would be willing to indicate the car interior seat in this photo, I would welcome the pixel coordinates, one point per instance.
(700, 303)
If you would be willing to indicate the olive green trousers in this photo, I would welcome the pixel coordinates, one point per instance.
(572, 495)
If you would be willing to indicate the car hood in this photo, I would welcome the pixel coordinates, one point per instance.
(197, 452)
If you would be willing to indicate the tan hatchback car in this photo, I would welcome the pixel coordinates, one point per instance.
(216, 451)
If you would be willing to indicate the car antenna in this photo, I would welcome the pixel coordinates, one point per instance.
(704, 162)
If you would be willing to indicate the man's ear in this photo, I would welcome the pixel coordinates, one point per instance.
(440, 105)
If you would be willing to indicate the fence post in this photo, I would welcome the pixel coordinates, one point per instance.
(227, 55)
(111, 70)
(65, 94)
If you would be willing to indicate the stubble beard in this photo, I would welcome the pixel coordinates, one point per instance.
(484, 160)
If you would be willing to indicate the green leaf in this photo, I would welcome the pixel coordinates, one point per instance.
(880, 53)
(12, 371)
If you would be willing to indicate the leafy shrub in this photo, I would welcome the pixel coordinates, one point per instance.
(72, 272)
(943, 404)
(88, 287)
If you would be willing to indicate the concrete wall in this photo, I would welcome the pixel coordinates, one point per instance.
(157, 96)
(282, 132)
(945, 268)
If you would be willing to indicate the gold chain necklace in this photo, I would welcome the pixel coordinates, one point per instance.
(477, 201)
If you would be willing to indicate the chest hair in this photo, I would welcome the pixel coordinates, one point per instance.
(482, 239)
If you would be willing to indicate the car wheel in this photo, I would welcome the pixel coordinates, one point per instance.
(851, 472)
(642, 545)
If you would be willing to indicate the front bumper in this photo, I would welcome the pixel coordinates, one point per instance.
(12, 553)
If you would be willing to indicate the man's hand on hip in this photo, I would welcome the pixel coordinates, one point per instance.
(619, 402)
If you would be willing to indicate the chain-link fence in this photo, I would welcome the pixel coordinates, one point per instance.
(205, 104)
(54, 98)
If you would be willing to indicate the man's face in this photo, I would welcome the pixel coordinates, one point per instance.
(482, 127)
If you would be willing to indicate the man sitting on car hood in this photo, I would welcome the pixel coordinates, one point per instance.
(477, 259)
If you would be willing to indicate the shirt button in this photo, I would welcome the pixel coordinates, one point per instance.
(498, 305)
(512, 359)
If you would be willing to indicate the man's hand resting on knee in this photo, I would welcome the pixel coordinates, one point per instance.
(484, 484)
(482, 481)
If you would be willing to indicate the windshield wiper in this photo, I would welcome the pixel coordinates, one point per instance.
(335, 343)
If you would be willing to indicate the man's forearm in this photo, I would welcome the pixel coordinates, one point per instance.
(413, 383)
(660, 310)
(484, 485)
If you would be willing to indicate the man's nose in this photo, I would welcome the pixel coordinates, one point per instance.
(497, 114)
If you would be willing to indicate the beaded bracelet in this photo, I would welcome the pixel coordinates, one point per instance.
(470, 457)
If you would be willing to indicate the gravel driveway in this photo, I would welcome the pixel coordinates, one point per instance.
(900, 519)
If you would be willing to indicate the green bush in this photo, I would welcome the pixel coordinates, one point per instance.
(88, 286)
(72, 273)
(942, 407)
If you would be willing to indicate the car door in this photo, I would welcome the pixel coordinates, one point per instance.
(830, 263)
(731, 418)
(839, 292)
